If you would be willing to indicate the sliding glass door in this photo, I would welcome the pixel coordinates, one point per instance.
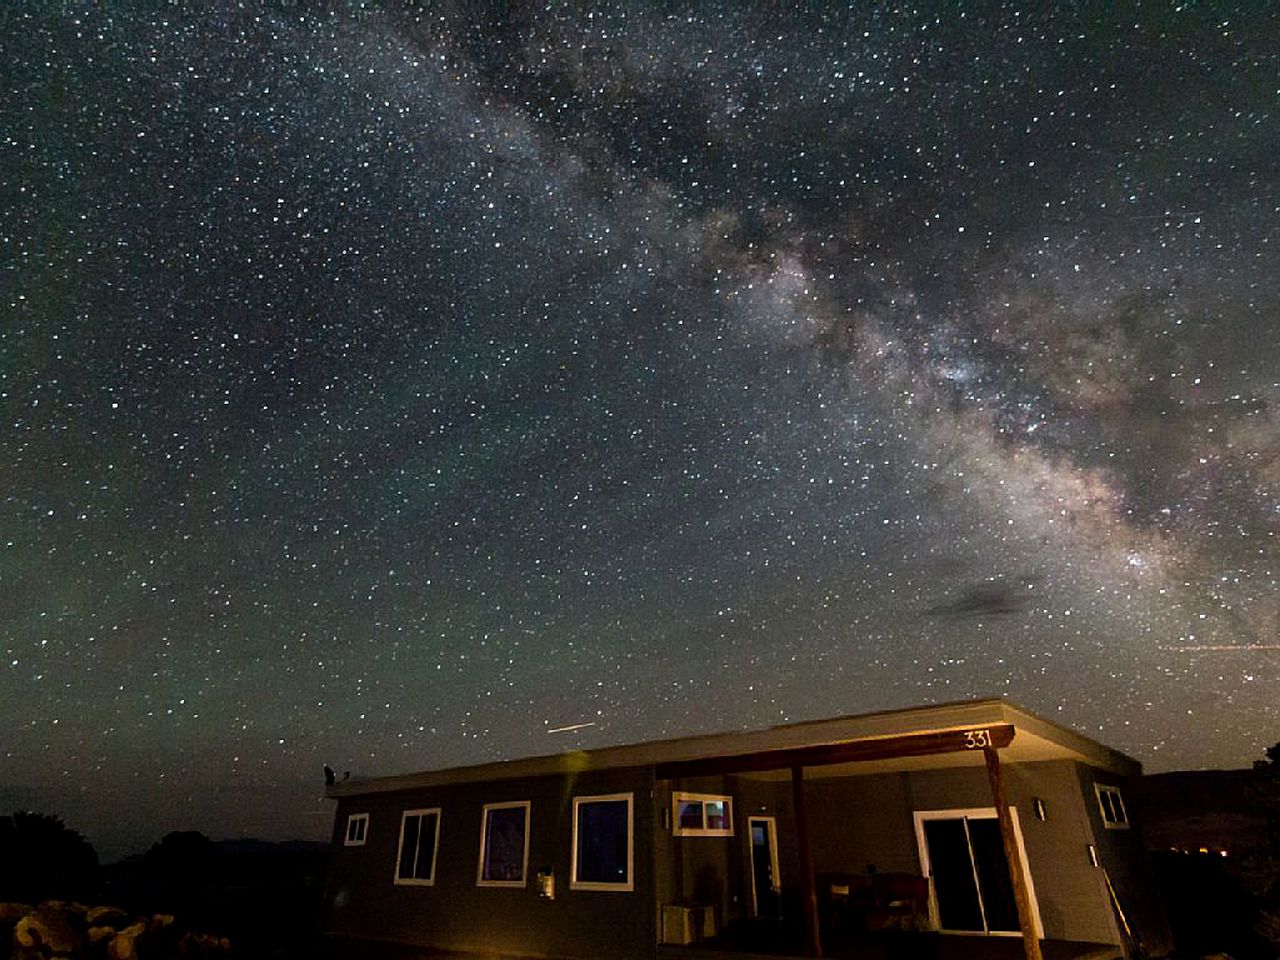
(962, 852)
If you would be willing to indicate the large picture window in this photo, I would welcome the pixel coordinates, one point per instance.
(701, 815)
(602, 843)
(504, 845)
(419, 839)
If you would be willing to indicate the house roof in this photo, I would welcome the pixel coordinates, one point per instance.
(911, 739)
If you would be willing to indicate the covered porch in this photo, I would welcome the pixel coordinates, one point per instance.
(835, 842)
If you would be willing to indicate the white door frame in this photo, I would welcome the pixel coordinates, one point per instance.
(773, 859)
(975, 813)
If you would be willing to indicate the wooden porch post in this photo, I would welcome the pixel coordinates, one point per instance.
(1021, 896)
(812, 938)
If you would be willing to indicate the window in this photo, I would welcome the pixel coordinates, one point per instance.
(1112, 807)
(700, 815)
(602, 843)
(504, 845)
(419, 839)
(357, 829)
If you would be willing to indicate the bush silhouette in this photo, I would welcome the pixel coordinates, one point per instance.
(178, 872)
(41, 858)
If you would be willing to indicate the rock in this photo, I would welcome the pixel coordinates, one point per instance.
(124, 945)
(106, 917)
(13, 912)
(97, 934)
(161, 938)
(48, 927)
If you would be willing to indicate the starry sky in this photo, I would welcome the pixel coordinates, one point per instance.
(393, 387)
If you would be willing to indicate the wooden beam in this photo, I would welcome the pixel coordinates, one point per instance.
(1021, 895)
(812, 935)
(882, 748)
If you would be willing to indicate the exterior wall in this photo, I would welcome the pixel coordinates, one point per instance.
(856, 823)
(862, 822)
(1122, 853)
(771, 798)
(702, 870)
(716, 871)
(455, 914)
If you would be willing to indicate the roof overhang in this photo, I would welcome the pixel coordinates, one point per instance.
(921, 738)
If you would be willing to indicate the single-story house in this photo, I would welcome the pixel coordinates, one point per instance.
(972, 819)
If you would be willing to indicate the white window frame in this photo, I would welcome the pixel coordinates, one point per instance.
(526, 805)
(363, 830)
(1117, 803)
(435, 849)
(630, 884)
(679, 797)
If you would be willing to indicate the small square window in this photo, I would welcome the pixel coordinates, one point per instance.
(419, 841)
(1111, 805)
(504, 845)
(701, 815)
(357, 830)
(603, 848)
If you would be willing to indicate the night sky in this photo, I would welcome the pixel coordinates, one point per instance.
(393, 389)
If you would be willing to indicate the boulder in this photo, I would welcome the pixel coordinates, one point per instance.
(13, 912)
(161, 938)
(106, 917)
(98, 934)
(48, 927)
(124, 945)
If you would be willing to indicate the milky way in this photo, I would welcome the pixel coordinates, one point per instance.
(402, 390)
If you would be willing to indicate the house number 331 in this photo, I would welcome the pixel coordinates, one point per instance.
(976, 739)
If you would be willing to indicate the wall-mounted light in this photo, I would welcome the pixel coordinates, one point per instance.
(1093, 855)
(1037, 804)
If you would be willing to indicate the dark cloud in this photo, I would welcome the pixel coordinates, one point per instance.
(990, 598)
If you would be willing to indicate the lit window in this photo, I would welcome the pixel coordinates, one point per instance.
(504, 845)
(419, 839)
(701, 815)
(1114, 816)
(357, 829)
(602, 843)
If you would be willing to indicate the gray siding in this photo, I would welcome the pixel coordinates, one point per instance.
(363, 901)
(1122, 853)
(715, 871)
(856, 823)
(862, 822)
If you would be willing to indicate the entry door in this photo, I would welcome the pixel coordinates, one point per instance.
(764, 866)
(963, 853)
